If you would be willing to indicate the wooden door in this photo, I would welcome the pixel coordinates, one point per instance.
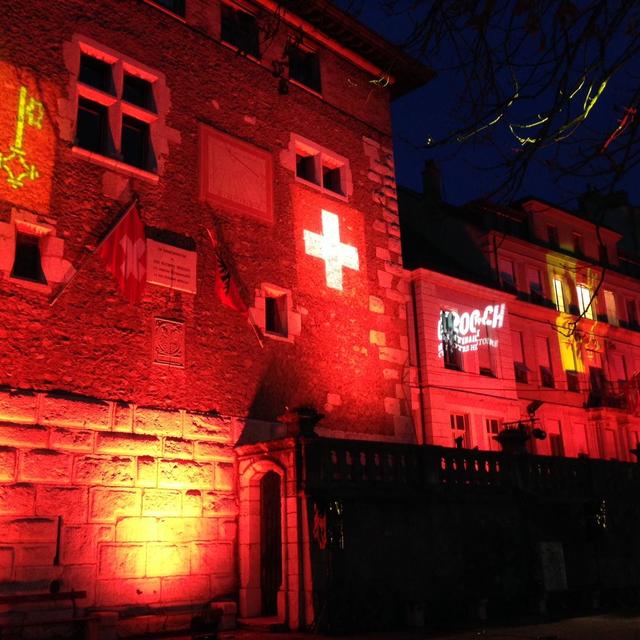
(270, 543)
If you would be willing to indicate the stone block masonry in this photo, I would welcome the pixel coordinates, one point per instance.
(145, 516)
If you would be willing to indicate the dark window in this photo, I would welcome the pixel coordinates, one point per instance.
(573, 381)
(520, 370)
(175, 6)
(577, 244)
(306, 168)
(632, 315)
(603, 254)
(332, 179)
(304, 66)
(552, 234)
(546, 377)
(28, 263)
(240, 29)
(555, 444)
(96, 73)
(276, 315)
(452, 356)
(135, 142)
(91, 128)
(460, 429)
(138, 91)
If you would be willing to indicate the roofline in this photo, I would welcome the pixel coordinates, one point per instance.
(364, 47)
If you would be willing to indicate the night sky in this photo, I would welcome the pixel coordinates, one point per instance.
(469, 170)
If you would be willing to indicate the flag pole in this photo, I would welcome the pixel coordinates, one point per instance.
(84, 260)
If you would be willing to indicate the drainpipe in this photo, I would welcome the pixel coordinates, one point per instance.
(415, 329)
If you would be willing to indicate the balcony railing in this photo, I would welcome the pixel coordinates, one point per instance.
(609, 394)
(359, 466)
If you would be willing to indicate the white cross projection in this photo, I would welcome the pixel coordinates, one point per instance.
(328, 247)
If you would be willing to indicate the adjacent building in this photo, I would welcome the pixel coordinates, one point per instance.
(521, 311)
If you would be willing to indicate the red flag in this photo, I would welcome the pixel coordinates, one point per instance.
(124, 251)
(225, 284)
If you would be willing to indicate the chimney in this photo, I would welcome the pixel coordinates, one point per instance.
(432, 181)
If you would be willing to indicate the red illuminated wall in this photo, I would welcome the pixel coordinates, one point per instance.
(146, 500)
(135, 459)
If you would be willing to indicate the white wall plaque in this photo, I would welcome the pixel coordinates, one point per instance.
(172, 267)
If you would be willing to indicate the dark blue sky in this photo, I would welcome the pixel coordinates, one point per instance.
(469, 170)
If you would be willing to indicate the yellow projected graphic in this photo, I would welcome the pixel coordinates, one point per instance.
(29, 128)
(14, 163)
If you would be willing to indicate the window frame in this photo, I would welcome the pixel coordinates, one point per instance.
(34, 239)
(258, 312)
(117, 108)
(294, 46)
(586, 307)
(257, 55)
(466, 429)
(611, 307)
(559, 300)
(322, 157)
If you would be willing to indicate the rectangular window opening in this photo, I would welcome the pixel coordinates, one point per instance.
(304, 67)
(558, 291)
(96, 73)
(552, 235)
(91, 126)
(573, 381)
(578, 247)
(27, 264)
(332, 179)
(135, 142)
(306, 167)
(632, 313)
(610, 306)
(240, 29)
(585, 304)
(276, 308)
(460, 430)
(492, 428)
(535, 286)
(138, 91)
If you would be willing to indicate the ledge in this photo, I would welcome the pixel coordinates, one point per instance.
(115, 165)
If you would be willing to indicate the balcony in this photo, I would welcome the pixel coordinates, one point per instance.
(609, 395)
(366, 468)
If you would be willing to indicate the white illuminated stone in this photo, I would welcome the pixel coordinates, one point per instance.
(328, 247)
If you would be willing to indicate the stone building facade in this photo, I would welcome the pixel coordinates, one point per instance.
(253, 141)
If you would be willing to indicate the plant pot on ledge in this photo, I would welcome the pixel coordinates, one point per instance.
(301, 421)
(514, 439)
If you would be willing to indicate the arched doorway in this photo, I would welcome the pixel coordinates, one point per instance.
(262, 537)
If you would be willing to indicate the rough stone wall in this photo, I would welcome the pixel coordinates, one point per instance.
(146, 500)
(347, 360)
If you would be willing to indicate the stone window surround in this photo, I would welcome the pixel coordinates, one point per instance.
(159, 133)
(54, 267)
(258, 312)
(300, 143)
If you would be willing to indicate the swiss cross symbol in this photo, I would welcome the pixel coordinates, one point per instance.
(132, 258)
(328, 247)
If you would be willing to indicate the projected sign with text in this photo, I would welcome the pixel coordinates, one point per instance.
(462, 331)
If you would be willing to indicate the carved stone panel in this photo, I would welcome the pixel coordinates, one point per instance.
(168, 342)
